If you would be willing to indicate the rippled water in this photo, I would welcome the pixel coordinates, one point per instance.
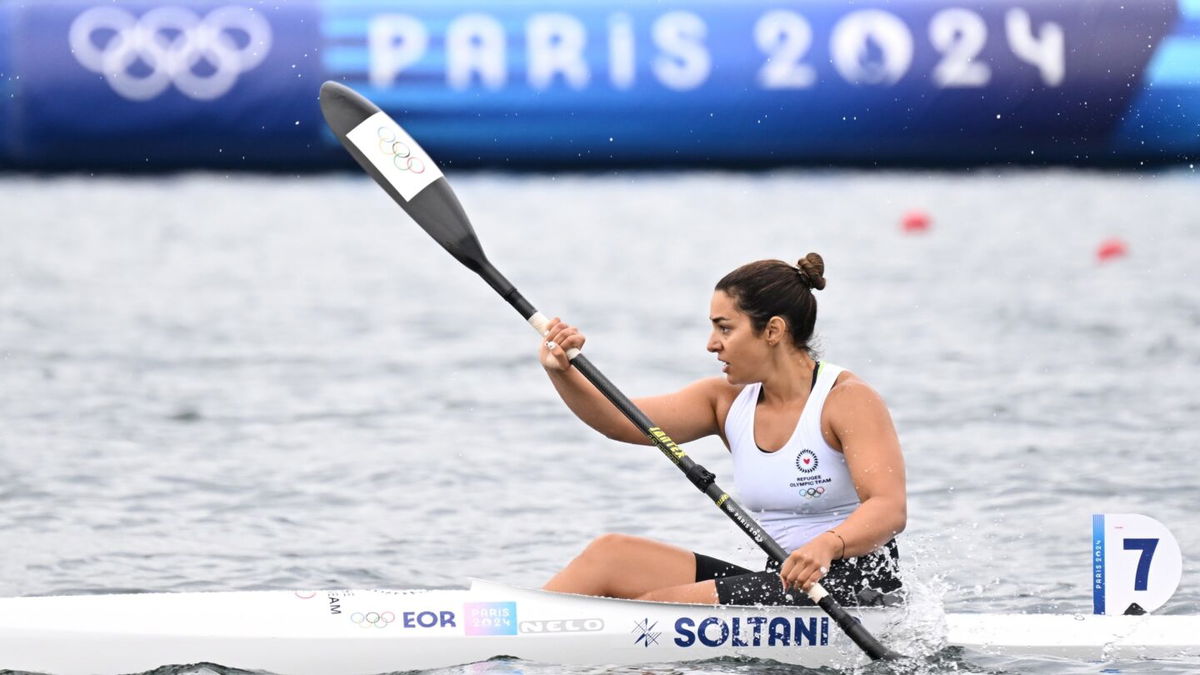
(237, 382)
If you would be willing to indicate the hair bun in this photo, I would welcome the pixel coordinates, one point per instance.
(812, 271)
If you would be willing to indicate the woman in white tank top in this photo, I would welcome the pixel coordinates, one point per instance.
(816, 456)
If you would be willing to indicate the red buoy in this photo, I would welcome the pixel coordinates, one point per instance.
(915, 222)
(1111, 249)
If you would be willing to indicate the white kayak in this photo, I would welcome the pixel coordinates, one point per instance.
(376, 631)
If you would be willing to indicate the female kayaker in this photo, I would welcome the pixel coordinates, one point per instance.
(815, 454)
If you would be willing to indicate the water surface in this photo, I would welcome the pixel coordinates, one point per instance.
(214, 382)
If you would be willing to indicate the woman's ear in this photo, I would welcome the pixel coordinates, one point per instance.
(776, 330)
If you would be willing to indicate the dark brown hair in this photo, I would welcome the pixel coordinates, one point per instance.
(768, 288)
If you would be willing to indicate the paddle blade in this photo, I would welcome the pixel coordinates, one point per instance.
(385, 151)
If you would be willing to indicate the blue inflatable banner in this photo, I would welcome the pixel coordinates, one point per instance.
(152, 85)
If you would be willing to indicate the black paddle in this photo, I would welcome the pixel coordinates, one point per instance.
(405, 172)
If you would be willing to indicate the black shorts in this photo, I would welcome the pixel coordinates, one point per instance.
(872, 579)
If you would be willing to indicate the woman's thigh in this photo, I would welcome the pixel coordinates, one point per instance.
(624, 566)
(696, 593)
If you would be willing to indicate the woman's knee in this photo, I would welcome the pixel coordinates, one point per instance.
(612, 546)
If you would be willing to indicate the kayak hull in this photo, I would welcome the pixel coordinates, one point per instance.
(379, 631)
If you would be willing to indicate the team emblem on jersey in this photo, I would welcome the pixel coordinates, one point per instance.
(806, 461)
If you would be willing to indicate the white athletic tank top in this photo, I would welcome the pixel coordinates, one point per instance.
(800, 490)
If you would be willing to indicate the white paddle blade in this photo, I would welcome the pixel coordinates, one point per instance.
(1135, 561)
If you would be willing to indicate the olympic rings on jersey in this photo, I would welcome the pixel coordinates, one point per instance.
(170, 42)
(401, 154)
(813, 493)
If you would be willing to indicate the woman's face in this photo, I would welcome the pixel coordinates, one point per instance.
(734, 341)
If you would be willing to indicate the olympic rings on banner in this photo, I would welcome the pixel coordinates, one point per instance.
(169, 43)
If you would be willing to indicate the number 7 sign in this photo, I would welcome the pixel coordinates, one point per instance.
(1136, 564)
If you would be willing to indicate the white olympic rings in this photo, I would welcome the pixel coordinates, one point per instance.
(170, 42)
(376, 619)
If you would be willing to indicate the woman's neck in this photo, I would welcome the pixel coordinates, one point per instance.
(790, 378)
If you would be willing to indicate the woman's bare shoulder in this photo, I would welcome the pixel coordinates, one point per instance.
(850, 389)
(848, 379)
(722, 394)
(719, 389)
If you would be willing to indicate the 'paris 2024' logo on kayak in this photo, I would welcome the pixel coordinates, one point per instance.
(490, 618)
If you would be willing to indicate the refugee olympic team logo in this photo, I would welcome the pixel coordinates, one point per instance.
(399, 151)
(806, 461)
(140, 57)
